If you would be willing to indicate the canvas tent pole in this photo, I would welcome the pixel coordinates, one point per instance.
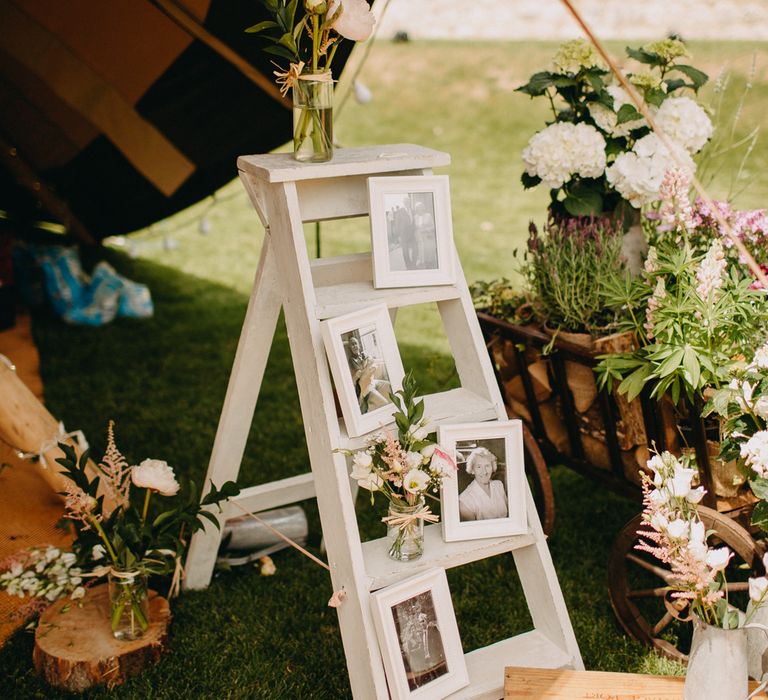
(182, 17)
(26, 176)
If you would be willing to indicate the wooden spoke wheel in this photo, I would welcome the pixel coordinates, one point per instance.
(638, 582)
(538, 479)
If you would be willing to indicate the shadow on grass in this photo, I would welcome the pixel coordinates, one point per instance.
(163, 381)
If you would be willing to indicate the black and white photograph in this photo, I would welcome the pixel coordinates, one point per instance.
(485, 497)
(411, 231)
(365, 365)
(367, 368)
(421, 645)
(411, 234)
(482, 479)
(419, 638)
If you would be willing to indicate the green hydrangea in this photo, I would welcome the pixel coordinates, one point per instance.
(667, 49)
(646, 80)
(573, 56)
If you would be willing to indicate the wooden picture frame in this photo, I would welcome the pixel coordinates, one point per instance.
(366, 366)
(485, 496)
(419, 638)
(411, 231)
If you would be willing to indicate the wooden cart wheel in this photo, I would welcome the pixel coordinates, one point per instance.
(637, 583)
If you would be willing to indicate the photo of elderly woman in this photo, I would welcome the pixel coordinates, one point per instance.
(367, 368)
(481, 475)
(421, 644)
(411, 233)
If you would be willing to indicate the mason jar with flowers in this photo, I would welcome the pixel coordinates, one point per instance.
(309, 43)
(133, 540)
(406, 468)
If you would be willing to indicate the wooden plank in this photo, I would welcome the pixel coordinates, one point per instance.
(341, 269)
(344, 298)
(486, 666)
(562, 684)
(382, 570)
(368, 160)
(272, 495)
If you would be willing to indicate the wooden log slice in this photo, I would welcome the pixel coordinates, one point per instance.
(75, 649)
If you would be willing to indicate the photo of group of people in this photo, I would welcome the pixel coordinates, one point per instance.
(411, 233)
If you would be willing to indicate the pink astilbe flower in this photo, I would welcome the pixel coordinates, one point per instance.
(116, 471)
(79, 506)
(676, 212)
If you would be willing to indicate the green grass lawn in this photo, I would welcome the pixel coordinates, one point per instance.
(163, 381)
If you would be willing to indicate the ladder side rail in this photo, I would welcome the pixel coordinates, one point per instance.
(332, 485)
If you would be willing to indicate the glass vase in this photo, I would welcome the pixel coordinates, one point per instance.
(313, 117)
(128, 604)
(717, 664)
(406, 539)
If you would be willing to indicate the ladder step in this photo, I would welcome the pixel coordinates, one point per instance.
(339, 299)
(382, 570)
(272, 495)
(443, 408)
(486, 666)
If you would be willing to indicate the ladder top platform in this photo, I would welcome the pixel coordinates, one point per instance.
(369, 160)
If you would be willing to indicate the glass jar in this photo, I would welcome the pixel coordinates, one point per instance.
(313, 116)
(128, 604)
(406, 535)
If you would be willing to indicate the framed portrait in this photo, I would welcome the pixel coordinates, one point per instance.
(411, 231)
(485, 496)
(419, 638)
(366, 366)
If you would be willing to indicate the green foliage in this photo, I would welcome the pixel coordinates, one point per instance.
(569, 269)
(499, 298)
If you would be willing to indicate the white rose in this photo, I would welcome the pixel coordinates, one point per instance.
(155, 474)
(416, 481)
(718, 559)
(352, 19)
(757, 588)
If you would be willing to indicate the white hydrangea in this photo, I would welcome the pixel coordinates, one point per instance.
(607, 119)
(755, 452)
(685, 122)
(637, 174)
(563, 150)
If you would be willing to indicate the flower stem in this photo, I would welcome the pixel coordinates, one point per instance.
(146, 506)
(104, 539)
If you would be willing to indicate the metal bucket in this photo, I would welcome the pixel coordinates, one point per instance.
(245, 540)
(717, 664)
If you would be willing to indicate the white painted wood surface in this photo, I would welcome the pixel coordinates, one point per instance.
(286, 193)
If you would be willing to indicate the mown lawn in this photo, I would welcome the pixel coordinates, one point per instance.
(163, 380)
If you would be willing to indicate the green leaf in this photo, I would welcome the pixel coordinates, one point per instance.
(627, 113)
(691, 366)
(280, 51)
(760, 516)
(759, 487)
(647, 57)
(538, 84)
(529, 180)
(582, 200)
(671, 363)
(674, 84)
(634, 383)
(655, 96)
(697, 76)
(261, 26)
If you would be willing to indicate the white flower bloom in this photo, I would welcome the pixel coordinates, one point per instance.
(52, 553)
(420, 433)
(428, 451)
(757, 588)
(677, 528)
(698, 550)
(155, 474)
(441, 463)
(562, 150)
(680, 484)
(694, 496)
(363, 460)
(718, 559)
(697, 532)
(755, 452)
(415, 481)
(352, 19)
(659, 522)
(761, 407)
(760, 360)
(638, 174)
(413, 460)
(658, 497)
(685, 122)
(372, 483)
(68, 559)
(656, 464)
(79, 592)
(98, 552)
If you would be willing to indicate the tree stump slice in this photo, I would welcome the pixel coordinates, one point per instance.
(75, 649)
